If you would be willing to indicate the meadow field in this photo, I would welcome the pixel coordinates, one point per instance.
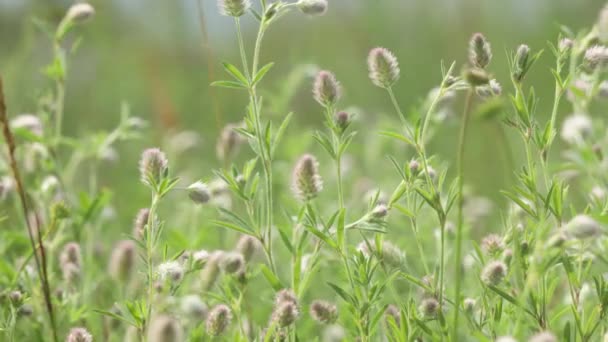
(303, 170)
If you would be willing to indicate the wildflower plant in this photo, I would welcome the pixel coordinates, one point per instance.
(245, 252)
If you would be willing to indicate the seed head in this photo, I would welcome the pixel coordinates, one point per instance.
(469, 305)
(15, 297)
(247, 246)
(476, 77)
(193, 307)
(122, 260)
(414, 166)
(392, 311)
(492, 244)
(391, 255)
(285, 295)
(28, 122)
(312, 7)
(576, 128)
(342, 120)
(306, 181)
(602, 25)
(233, 8)
(285, 314)
(583, 227)
(211, 272)
(218, 320)
(383, 67)
(232, 262)
(71, 272)
(79, 13)
(494, 273)
(429, 307)
(520, 63)
(200, 257)
(326, 89)
(544, 336)
(565, 44)
(228, 142)
(596, 57)
(199, 193)
(380, 211)
(153, 166)
(480, 52)
(164, 328)
(171, 271)
(25, 310)
(141, 220)
(493, 88)
(323, 312)
(71, 254)
(505, 339)
(334, 333)
(79, 335)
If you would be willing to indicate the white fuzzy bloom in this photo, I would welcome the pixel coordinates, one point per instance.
(598, 193)
(505, 339)
(312, 7)
(200, 257)
(28, 122)
(49, 184)
(184, 141)
(193, 307)
(576, 128)
(171, 270)
(596, 57)
(80, 13)
(468, 261)
(544, 336)
(583, 227)
(334, 333)
(199, 193)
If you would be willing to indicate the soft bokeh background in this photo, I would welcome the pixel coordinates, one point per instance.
(153, 55)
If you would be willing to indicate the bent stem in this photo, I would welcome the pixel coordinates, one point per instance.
(460, 224)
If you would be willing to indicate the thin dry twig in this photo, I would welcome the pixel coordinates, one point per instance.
(40, 258)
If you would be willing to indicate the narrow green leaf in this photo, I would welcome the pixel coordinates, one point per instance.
(271, 278)
(236, 73)
(228, 84)
(261, 73)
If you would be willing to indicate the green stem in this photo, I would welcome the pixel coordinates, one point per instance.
(339, 174)
(243, 54)
(149, 235)
(60, 93)
(264, 155)
(460, 223)
(398, 109)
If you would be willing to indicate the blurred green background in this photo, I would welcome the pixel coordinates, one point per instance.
(153, 55)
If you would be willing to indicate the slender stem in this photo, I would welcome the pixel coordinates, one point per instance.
(149, 235)
(268, 160)
(347, 267)
(264, 155)
(460, 223)
(398, 109)
(339, 174)
(59, 94)
(40, 258)
(243, 54)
